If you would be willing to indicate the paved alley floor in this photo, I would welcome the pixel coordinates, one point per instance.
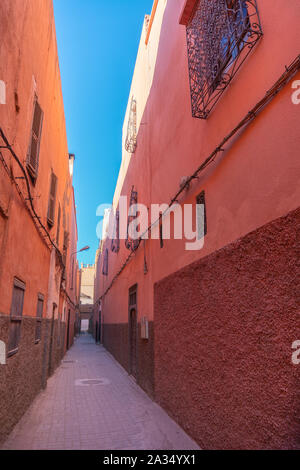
(92, 404)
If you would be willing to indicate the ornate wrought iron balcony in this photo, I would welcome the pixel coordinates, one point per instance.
(115, 243)
(129, 242)
(131, 138)
(220, 36)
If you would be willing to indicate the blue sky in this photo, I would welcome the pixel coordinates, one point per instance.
(97, 44)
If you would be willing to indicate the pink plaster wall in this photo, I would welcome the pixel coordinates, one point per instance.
(255, 181)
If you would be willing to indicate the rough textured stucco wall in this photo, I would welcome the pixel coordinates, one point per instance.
(224, 327)
(116, 341)
(23, 376)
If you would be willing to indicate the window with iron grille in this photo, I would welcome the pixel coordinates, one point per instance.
(131, 244)
(220, 36)
(105, 263)
(52, 199)
(202, 230)
(131, 137)
(39, 318)
(16, 314)
(35, 140)
(115, 243)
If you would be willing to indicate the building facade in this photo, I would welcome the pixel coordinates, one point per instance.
(211, 121)
(87, 284)
(38, 230)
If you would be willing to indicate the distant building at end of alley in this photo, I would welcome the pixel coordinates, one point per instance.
(86, 307)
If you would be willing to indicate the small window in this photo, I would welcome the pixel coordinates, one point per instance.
(133, 296)
(201, 230)
(161, 234)
(35, 140)
(105, 264)
(52, 198)
(39, 318)
(16, 314)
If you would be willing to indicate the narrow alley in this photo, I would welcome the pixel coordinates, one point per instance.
(92, 404)
(149, 227)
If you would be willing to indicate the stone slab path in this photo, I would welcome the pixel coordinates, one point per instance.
(92, 404)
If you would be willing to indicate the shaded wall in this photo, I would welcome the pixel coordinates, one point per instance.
(116, 341)
(26, 373)
(224, 327)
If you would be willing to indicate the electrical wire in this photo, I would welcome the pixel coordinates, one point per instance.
(30, 198)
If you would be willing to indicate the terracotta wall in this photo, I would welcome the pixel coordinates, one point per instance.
(225, 373)
(29, 67)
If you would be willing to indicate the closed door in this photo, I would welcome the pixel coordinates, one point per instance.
(133, 338)
(51, 340)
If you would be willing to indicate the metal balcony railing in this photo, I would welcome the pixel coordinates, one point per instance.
(220, 36)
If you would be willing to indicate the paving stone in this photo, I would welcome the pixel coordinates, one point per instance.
(113, 415)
